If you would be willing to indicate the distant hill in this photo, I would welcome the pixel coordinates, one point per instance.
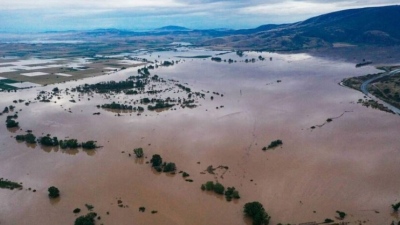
(172, 28)
(365, 26)
(374, 26)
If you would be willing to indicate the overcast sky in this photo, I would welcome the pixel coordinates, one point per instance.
(45, 15)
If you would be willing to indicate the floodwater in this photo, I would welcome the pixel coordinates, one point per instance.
(350, 164)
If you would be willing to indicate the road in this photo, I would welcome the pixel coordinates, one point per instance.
(364, 89)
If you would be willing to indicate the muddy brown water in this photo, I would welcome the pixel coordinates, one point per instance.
(350, 164)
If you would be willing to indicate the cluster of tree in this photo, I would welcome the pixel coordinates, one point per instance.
(239, 53)
(188, 103)
(10, 123)
(48, 141)
(273, 144)
(250, 60)
(157, 163)
(115, 105)
(183, 87)
(230, 193)
(131, 92)
(256, 211)
(53, 141)
(9, 184)
(217, 59)
(28, 138)
(160, 105)
(88, 219)
(168, 63)
(53, 192)
(106, 87)
(144, 71)
(73, 143)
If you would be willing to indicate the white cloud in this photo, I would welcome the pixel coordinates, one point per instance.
(290, 8)
(293, 7)
(87, 4)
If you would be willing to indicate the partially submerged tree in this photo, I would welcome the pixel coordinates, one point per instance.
(138, 152)
(256, 211)
(53, 192)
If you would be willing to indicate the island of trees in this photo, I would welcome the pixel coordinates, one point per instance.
(166, 167)
(53, 141)
(230, 192)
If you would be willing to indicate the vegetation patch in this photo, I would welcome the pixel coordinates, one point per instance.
(257, 213)
(6, 184)
(273, 144)
(88, 219)
(53, 192)
(166, 167)
(230, 192)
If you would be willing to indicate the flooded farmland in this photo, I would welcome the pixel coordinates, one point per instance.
(349, 164)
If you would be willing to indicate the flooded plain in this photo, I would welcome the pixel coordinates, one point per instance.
(350, 164)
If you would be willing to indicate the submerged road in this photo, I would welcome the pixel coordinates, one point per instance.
(364, 89)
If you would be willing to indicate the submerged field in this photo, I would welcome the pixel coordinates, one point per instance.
(336, 154)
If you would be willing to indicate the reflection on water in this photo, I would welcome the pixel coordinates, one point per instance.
(54, 201)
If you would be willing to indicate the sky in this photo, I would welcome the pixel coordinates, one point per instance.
(61, 15)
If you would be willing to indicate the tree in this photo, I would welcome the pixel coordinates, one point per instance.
(219, 188)
(342, 215)
(396, 207)
(30, 138)
(53, 192)
(89, 145)
(11, 123)
(138, 152)
(86, 220)
(256, 211)
(169, 167)
(156, 160)
(209, 186)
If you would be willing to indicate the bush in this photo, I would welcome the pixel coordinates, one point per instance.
(69, 143)
(231, 193)
(86, 220)
(53, 192)
(89, 145)
(138, 152)
(11, 123)
(275, 143)
(48, 141)
(396, 207)
(342, 215)
(256, 211)
(77, 210)
(219, 188)
(156, 160)
(209, 186)
(169, 167)
(327, 220)
(184, 175)
(9, 184)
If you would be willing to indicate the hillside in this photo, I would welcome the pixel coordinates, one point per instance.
(365, 26)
